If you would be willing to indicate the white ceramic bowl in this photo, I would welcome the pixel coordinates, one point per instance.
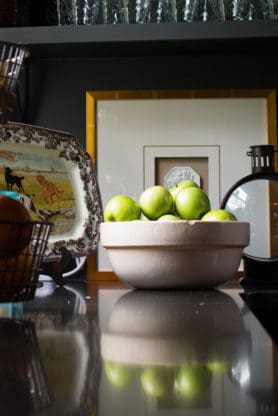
(176, 254)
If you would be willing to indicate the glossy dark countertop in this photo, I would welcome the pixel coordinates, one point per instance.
(104, 349)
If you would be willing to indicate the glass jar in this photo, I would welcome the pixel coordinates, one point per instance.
(200, 10)
(249, 9)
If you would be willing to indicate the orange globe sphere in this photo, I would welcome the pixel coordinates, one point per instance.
(17, 271)
(15, 227)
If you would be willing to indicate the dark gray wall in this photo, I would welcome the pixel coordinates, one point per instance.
(57, 87)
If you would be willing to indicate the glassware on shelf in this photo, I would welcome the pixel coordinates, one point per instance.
(140, 11)
(116, 11)
(165, 11)
(66, 12)
(275, 9)
(89, 12)
(200, 10)
(79, 12)
(205, 10)
(249, 9)
(152, 11)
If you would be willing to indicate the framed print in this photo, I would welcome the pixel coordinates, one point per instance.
(127, 131)
(168, 165)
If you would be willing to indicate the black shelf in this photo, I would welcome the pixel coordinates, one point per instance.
(145, 39)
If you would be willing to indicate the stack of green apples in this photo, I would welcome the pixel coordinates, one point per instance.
(184, 201)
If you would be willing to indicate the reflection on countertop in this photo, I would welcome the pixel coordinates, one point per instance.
(64, 348)
(175, 328)
(99, 350)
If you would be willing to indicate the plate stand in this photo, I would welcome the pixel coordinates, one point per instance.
(55, 269)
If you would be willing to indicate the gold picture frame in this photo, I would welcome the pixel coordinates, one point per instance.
(96, 99)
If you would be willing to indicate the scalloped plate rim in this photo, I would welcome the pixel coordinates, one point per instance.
(70, 150)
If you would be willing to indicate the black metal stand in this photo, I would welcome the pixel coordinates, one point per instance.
(55, 269)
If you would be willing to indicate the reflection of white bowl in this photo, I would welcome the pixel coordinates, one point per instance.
(176, 254)
(174, 327)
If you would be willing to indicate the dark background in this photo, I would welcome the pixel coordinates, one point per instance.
(56, 77)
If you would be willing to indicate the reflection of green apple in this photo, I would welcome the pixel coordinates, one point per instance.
(219, 215)
(192, 380)
(121, 208)
(182, 184)
(119, 374)
(218, 366)
(168, 217)
(192, 203)
(156, 201)
(157, 381)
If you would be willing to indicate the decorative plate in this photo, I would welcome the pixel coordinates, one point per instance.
(56, 179)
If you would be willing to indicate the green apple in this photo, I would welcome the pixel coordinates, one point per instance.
(192, 203)
(182, 184)
(191, 381)
(157, 381)
(156, 201)
(121, 208)
(120, 375)
(218, 366)
(143, 217)
(219, 215)
(168, 217)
